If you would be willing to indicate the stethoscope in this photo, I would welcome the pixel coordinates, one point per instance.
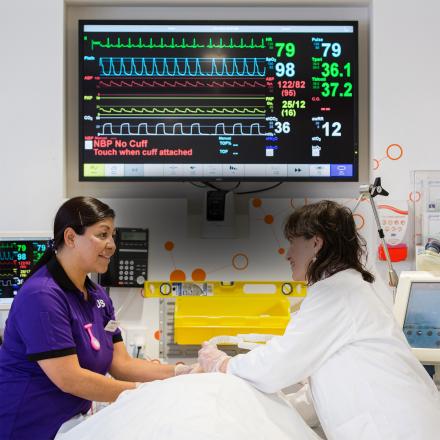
(93, 341)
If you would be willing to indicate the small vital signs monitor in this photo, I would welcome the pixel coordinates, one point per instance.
(17, 258)
(129, 265)
(417, 309)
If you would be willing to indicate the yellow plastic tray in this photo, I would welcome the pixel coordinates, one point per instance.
(197, 319)
(168, 289)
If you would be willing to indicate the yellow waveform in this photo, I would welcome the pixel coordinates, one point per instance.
(184, 110)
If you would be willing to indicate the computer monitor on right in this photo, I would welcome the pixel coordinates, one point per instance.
(417, 310)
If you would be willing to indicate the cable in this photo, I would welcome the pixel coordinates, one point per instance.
(197, 186)
(138, 350)
(259, 190)
(127, 303)
(358, 201)
(211, 185)
(220, 189)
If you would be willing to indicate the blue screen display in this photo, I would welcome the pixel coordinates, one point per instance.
(422, 320)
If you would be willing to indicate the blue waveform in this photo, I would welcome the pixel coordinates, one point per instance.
(114, 66)
(179, 129)
(7, 256)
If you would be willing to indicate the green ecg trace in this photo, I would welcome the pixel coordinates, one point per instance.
(182, 44)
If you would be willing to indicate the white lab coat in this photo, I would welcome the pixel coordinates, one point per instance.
(366, 383)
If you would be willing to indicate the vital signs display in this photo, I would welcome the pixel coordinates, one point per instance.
(218, 100)
(17, 258)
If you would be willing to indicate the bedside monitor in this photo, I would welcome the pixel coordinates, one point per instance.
(417, 310)
(17, 258)
(236, 100)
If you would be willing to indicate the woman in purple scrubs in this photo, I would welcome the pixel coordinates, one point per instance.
(61, 337)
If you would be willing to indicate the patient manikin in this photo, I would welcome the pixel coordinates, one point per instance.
(195, 407)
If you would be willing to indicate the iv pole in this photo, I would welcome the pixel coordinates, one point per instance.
(369, 192)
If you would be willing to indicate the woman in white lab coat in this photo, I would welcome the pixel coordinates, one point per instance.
(365, 382)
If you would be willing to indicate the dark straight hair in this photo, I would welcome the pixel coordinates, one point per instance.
(77, 213)
(343, 247)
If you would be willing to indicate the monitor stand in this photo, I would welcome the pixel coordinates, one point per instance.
(219, 219)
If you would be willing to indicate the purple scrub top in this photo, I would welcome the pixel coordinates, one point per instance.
(46, 321)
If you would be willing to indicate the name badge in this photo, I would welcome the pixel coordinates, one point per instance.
(111, 326)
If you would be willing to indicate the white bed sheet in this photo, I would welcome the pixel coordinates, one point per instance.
(195, 407)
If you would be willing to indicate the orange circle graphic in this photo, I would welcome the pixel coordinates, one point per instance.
(393, 157)
(240, 261)
(268, 219)
(256, 203)
(376, 164)
(281, 251)
(177, 275)
(198, 275)
(362, 221)
(157, 335)
(417, 198)
(169, 246)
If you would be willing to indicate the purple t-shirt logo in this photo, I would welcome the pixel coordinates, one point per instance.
(100, 303)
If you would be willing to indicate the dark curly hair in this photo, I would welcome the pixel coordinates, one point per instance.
(343, 247)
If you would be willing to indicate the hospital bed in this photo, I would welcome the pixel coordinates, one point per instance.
(195, 407)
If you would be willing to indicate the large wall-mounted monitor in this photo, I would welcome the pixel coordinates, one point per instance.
(208, 101)
(17, 258)
(417, 310)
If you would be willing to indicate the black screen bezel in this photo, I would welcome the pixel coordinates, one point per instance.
(356, 150)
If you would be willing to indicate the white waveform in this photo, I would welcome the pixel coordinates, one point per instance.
(179, 129)
(6, 283)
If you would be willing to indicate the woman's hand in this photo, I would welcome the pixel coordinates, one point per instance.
(180, 369)
(211, 359)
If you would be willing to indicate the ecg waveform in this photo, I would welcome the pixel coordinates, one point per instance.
(181, 84)
(130, 66)
(160, 129)
(182, 43)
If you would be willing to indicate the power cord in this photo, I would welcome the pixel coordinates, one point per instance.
(211, 185)
(220, 189)
(197, 186)
(259, 190)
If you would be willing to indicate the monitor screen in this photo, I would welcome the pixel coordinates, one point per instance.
(211, 101)
(17, 258)
(422, 319)
(133, 236)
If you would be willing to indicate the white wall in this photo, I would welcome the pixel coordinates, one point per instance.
(31, 113)
(403, 91)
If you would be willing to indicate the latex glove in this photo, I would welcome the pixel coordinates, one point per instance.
(180, 369)
(211, 358)
(196, 369)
